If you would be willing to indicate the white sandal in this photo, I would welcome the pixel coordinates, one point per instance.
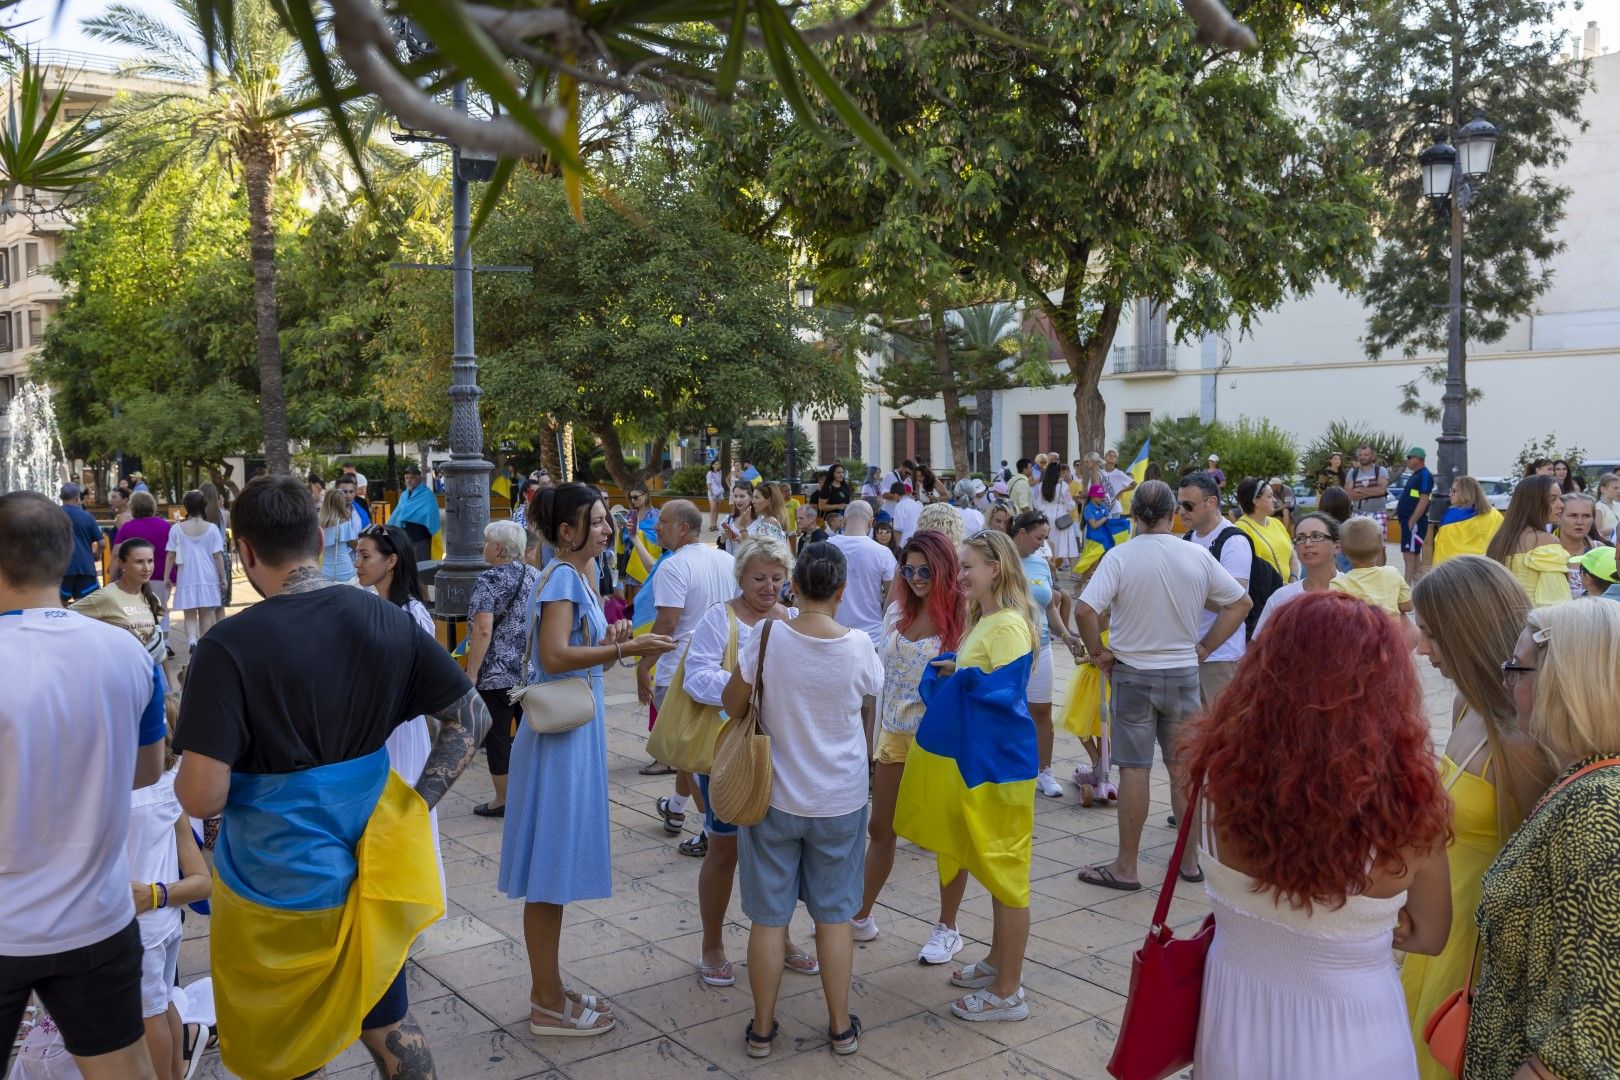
(981, 1006)
(589, 1001)
(582, 1026)
(975, 976)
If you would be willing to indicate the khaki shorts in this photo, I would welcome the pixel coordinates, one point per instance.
(1213, 677)
(893, 746)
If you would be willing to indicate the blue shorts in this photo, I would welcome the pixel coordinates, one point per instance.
(1412, 534)
(787, 858)
(711, 824)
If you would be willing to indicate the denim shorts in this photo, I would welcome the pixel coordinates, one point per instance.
(787, 858)
(711, 824)
(1149, 706)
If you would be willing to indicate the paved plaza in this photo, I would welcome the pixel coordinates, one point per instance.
(469, 974)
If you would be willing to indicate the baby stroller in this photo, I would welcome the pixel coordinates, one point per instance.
(1095, 783)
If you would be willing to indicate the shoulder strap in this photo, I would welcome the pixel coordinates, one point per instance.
(759, 676)
(1161, 911)
(1600, 763)
(534, 623)
(1462, 766)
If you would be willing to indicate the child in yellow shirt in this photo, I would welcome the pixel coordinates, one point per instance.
(1381, 586)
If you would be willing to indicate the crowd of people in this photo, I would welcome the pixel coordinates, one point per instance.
(895, 642)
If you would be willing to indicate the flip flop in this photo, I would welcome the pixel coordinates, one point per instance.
(656, 768)
(1194, 878)
(1104, 877)
(807, 964)
(717, 974)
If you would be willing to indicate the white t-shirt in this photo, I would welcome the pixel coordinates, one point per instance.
(905, 514)
(1237, 556)
(871, 568)
(152, 854)
(972, 520)
(1117, 480)
(1157, 585)
(693, 578)
(76, 694)
(818, 743)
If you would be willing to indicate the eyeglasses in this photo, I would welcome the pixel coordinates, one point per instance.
(917, 573)
(1186, 507)
(1312, 538)
(1513, 671)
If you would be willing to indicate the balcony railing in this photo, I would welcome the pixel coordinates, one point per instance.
(1144, 359)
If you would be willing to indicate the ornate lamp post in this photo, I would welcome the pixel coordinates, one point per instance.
(1451, 180)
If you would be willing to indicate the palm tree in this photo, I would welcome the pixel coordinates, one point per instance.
(992, 353)
(236, 120)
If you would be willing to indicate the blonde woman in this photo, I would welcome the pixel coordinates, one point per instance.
(339, 535)
(1001, 633)
(942, 517)
(1469, 613)
(1547, 990)
(1466, 527)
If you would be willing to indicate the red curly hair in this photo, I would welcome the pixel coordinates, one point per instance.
(1334, 776)
(945, 603)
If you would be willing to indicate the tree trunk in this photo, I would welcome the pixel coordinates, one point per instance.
(855, 434)
(258, 170)
(550, 458)
(1085, 355)
(655, 467)
(955, 415)
(613, 455)
(985, 404)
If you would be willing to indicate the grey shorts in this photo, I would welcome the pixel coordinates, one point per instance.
(1149, 706)
(787, 858)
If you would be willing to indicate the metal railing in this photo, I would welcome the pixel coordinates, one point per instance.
(1136, 359)
(78, 61)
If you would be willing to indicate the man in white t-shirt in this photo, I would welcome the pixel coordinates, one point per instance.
(691, 578)
(1157, 588)
(871, 568)
(1199, 498)
(967, 494)
(905, 510)
(82, 724)
(1115, 479)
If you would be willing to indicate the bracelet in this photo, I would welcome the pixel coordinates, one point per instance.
(618, 652)
(153, 887)
(164, 889)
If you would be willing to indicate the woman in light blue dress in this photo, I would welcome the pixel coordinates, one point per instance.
(555, 846)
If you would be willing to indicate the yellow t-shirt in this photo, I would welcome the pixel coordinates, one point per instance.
(1381, 586)
(1272, 542)
(997, 639)
(110, 604)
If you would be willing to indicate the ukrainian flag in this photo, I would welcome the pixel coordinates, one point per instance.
(751, 475)
(642, 610)
(1464, 531)
(636, 570)
(1101, 535)
(968, 790)
(1138, 471)
(322, 879)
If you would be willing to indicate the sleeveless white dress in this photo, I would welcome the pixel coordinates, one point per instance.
(1294, 994)
(410, 743)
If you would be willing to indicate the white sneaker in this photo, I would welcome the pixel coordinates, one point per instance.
(864, 929)
(943, 945)
(1046, 785)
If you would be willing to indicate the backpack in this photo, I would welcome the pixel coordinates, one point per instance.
(1263, 577)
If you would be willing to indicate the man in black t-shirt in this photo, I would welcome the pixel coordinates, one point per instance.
(286, 711)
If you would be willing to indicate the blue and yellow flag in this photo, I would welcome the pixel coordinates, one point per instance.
(636, 569)
(1464, 531)
(968, 790)
(1138, 471)
(1102, 534)
(322, 879)
(643, 610)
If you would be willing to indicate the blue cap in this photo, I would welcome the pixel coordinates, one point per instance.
(883, 517)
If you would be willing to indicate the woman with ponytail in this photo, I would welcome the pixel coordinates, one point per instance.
(130, 601)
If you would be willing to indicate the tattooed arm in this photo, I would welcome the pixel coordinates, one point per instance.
(462, 728)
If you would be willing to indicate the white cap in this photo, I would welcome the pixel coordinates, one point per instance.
(1213, 457)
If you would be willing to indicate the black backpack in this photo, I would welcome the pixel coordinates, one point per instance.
(1263, 577)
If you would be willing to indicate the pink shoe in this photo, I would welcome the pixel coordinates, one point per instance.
(1107, 792)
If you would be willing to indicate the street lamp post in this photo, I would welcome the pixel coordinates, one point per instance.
(1451, 180)
(466, 483)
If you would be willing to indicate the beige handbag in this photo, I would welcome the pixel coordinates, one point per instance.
(550, 708)
(683, 738)
(740, 780)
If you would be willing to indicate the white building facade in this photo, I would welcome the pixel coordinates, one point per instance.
(1304, 366)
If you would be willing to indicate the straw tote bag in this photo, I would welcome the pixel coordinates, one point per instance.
(740, 780)
(683, 737)
(559, 705)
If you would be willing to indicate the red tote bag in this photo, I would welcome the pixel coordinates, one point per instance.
(1160, 1027)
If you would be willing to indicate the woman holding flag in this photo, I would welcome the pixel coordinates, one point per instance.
(968, 791)
(1467, 526)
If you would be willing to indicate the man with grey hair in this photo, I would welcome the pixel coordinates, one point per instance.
(967, 493)
(1156, 589)
(690, 577)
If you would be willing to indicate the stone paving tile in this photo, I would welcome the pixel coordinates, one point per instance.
(469, 973)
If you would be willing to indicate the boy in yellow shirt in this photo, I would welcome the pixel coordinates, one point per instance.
(1381, 586)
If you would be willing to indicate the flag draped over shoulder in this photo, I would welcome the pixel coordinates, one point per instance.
(1102, 533)
(418, 506)
(1464, 531)
(643, 611)
(322, 879)
(968, 790)
(1138, 471)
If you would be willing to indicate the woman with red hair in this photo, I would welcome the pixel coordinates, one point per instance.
(925, 619)
(1324, 833)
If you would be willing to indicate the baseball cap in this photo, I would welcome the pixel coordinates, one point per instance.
(70, 490)
(883, 517)
(1599, 562)
(412, 470)
(1418, 452)
(1215, 458)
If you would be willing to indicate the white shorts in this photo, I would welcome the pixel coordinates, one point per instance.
(1040, 677)
(158, 966)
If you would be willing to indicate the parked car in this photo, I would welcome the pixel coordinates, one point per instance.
(1304, 498)
(1498, 489)
(1596, 467)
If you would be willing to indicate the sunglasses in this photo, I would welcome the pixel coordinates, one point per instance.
(378, 533)
(1312, 538)
(1187, 507)
(917, 573)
